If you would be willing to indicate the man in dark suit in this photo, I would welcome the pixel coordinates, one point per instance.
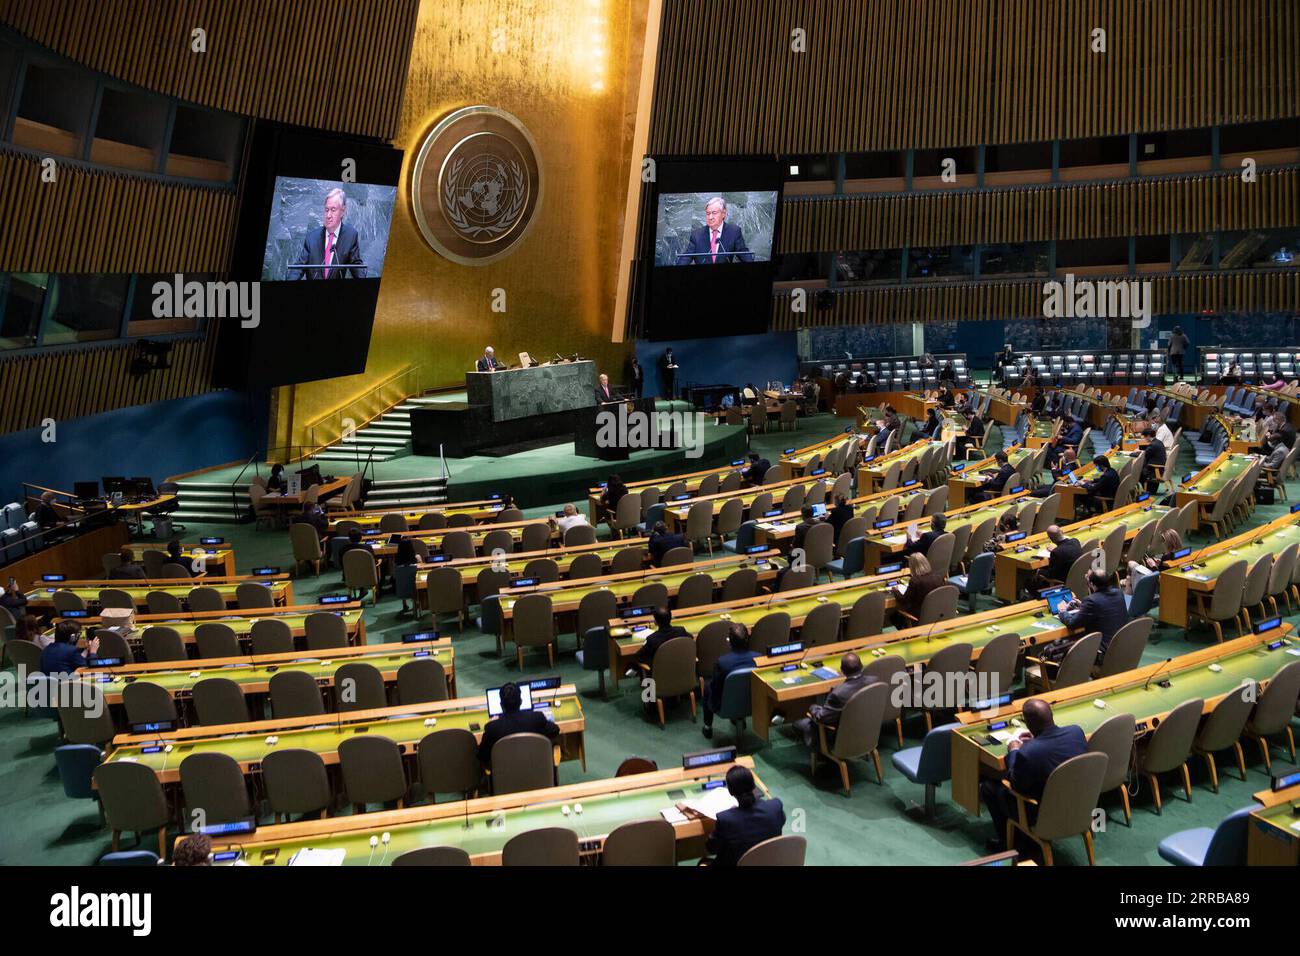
(716, 241)
(668, 373)
(840, 514)
(665, 631)
(993, 485)
(334, 244)
(739, 656)
(1060, 559)
(1031, 758)
(661, 542)
(828, 712)
(757, 469)
(128, 570)
(1073, 434)
(488, 363)
(1103, 486)
(806, 523)
(602, 393)
(746, 825)
(513, 721)
(636, 377)
(1102, 610)
(1155, 461)
(938, 522)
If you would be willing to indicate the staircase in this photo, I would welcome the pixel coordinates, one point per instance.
(388, 436)
(402, 493)
(200, 500)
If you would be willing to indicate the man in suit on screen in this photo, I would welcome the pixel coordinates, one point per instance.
(716, 241)
(334, 244)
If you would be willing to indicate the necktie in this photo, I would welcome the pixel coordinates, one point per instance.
(329, 248)
(713, 244)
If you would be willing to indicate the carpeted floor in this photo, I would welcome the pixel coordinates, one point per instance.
(870, 827)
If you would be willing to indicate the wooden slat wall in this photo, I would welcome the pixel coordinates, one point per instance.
(1200, 203)
(326, 64)
(63, 384)
(1173, 294)
(900, 74)
(102, 221)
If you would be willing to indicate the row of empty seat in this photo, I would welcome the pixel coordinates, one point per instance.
(1092, 368)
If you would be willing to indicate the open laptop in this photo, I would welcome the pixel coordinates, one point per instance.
(494, 699)
(1056, 598)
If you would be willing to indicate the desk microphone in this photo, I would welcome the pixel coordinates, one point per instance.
(374, 842)
(384, 840)
(1167, 661)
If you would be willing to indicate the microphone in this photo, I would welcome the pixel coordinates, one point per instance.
(1168, 660)
(374, 842)
(384, 840)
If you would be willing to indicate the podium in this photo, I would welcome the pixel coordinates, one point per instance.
(539, 390)
(608, 422)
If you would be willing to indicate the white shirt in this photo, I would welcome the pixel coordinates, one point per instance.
(570, 521)
(1165, 436)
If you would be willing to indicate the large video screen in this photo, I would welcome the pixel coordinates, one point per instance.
(323, 229)
(707, 228)
(706, 265)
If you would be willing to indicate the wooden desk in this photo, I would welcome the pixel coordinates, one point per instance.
(890, 544)
(484, 510)
(627, 635)
(41, 598)
(691, 479)
(484, 825)
(253, 674)
(799, 458)
(1013, 566)
(566, 596)
(476, 532)
(1134, 692)
(1194, 412)
(1273, 835)
(1041, 431)
(780, 687)
(1004, 411)
(1071, 491)
(965, 476)
(778, 531)
(1177, 585)
(241, 621)
(677, 512)
(872, 473)
(405, 726)
(1206, 484)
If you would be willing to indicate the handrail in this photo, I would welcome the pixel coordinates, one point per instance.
(363, 407)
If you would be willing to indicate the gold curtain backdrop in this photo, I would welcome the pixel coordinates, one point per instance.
(568, 70)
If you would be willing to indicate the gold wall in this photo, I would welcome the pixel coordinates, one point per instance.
(566, 72)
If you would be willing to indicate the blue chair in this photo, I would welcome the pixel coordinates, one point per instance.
(1225, 845)
(129, 858)
(32, 537)
(12, 516)
(744, 538)
(1143, 597)
(11, 546)
(978, 580)
(736, 704)
(930, 763)
(76, 763)
(594, 653)
(654, 513)
(853, 561)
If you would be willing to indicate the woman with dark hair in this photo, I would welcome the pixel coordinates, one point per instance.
(276, 482)
(406, 557)
(748, 824)
(14, 601)
(63, 656)
(614, 492)
(933, 427)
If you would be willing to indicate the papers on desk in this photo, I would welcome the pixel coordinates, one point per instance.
(896, 539)
(1296, 826)
(310, 857)
(1199, 577)
(711, 803)
(1050, 624)
(673, 815)
(1009, 733)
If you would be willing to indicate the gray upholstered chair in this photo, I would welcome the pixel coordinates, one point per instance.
(1170, 747)
(1065, 810)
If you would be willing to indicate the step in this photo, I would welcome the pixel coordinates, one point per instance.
(377, 441)
(404, 503)
(408, 482)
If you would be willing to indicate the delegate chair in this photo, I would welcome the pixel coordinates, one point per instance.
(1114, 738)
(547, 846)
(214, 784)
(641, 843)
(856, 735)
(1065, 809)
(788, 850)
(433, 856)
(1225, 845)
(1170, 747)
(296, 783)
(522, 762)
(372, 771)
(133, 800)
(1223, 729)
(448, 763)
(931, 763)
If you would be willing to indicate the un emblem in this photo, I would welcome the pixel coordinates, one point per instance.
(476, 185)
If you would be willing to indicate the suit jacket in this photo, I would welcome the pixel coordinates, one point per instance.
(1156, 457)
(839, 517)
(728, 662)
(346, 250)
(661, 544)
(999, 481)
(1103, 611)
(731, 246)
(127, 572)
(656, 640)
(917, 588)
(486, 364)
(1029, 766)
(1062, 558)
(1072, 435)
(60, 658)
(801, 532)
(1104, 485)
(603, 395)
(742, 828)
(828, 712)
(517, 722)
(922, 544)
(755, 472)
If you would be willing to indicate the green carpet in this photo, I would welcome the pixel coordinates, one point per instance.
(42, 826)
